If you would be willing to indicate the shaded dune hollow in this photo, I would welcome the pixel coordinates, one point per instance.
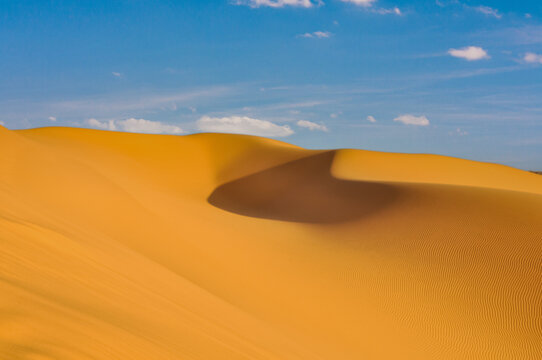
(303, 191)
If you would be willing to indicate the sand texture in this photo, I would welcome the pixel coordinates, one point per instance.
(213, 246)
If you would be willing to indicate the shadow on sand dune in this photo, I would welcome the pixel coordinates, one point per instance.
(302, 191)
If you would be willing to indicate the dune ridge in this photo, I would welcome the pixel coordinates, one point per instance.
(215, 246)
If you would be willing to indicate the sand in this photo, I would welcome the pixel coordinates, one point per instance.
(213, 246)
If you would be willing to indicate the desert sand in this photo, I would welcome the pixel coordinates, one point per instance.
(213, 246)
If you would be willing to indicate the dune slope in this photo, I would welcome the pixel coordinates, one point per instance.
(212, 246)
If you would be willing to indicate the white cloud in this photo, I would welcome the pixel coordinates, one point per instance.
(311, 126)
(2, 123)
(470, 53)
(408, 119)
(528, 16)
(116, 74)
(533, 58)
(149, 127)
(243, 125)
(371, 119)
(486, 10)
(103, 125)
(52, 118)
(136, 126)
(278, 3)
(316, 34)
(360, 2)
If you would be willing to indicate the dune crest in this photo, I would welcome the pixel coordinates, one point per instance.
(213, 246)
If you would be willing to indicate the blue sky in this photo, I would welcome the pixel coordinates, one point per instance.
(459, 78)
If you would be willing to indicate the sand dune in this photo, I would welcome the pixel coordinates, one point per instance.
(302, 191)
(212, 246)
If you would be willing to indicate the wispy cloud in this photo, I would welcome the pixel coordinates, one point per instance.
(482, 9)
(517, 35)
(458, 132)
(316, 35)
(115, 105)
(486, 10)
(369, 5)
(116, 74)
(468, 73)
(408, 119)
(312, 125)
(278, 3)
(243, 125)
(135, 126)
(371, 119)
(52, 118)
(527, 141)
(392, 11)
(293, 105)
(119, 105)
(470, 53)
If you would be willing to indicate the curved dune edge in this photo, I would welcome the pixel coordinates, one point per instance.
(113, 247)
(302, 191)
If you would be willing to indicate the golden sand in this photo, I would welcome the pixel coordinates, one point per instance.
(130, 246)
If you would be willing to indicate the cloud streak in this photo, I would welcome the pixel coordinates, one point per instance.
(316, 35)
(489, 11)
(482, 9)
(277, 3)
(360, 2)
(392, 11)
(121, 105)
